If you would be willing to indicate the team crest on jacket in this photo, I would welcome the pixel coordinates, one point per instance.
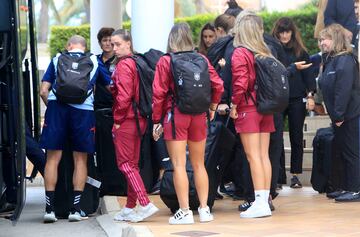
(197, 76)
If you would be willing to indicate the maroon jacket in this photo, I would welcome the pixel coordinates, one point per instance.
(124, 89)
(243, 79)
(164, 82)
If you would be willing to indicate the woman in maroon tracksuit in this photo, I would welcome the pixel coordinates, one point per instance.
(190, 129)
(126, 139)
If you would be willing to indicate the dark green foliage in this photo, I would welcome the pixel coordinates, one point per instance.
(304, 18)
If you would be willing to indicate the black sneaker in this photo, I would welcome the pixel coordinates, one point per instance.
(244, 206)
(295, 182)
(335, 194)
(156, 189)
(218, 196)
(271, 205)
(349, 197)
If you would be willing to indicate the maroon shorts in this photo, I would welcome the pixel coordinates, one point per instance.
(254, 122)
(187, 127)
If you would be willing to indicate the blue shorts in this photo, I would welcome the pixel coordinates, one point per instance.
(64, 122)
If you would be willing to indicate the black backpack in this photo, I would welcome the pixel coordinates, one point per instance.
(272, 85)
(192, 93)
(145, 66)
(73, 77)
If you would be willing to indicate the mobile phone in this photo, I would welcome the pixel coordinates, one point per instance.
(158, 130)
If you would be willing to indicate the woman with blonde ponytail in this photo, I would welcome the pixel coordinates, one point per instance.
(254, 128)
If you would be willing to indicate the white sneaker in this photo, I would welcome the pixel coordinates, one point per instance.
(257, 209)
(77, 216)
(125, 214)
(205, 215)
(182, 218)
(50, 217)
(144, 212)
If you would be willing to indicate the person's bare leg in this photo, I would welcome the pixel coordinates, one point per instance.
(197, 154)
(177, 153)
(264, 144)
(251, 143)
(80, 170)
(51, 169)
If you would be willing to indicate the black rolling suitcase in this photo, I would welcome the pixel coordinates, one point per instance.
(323, 155)
(64, 188)
(113, 181)
(219, 144)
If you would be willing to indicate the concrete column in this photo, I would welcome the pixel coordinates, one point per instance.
(151, 22)
(103, 14)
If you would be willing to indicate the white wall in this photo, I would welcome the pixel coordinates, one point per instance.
(151, 22)
(103, 13)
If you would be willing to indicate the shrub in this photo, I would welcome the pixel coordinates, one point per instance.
(304, 18)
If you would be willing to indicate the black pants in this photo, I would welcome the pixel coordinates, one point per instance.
(34, 153)
(347, 138)
(295, 112)
(276, 150)
(36, 156)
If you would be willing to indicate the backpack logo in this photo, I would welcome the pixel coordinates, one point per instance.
(197, 76)
(75, 65)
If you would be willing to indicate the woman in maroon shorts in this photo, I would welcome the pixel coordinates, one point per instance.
(190, 130)
(253, 127)
(126, 136)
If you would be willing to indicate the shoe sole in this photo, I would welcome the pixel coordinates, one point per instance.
(147, 216)
(248, 217)
(48, 220)
(187, 223)
(354, 200)
(204, 221)
(76, 219)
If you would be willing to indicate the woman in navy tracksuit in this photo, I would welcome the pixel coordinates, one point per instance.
(340, 85)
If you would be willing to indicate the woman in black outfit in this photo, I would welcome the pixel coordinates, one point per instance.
(340, 85)
(302, 87)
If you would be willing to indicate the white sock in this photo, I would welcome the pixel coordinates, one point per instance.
(259, 195)
(266, 195)
(185, 210)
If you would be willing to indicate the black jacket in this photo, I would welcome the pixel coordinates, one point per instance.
(341, 12)
(300, 82)
(340, 86)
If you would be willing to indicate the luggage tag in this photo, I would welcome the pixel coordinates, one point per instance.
(93, 182)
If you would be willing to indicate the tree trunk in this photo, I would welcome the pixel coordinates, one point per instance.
(87, 10)
(200, 6)
(43, 22)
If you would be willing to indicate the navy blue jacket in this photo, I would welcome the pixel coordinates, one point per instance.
(340, 86)
(341, 12)
(102, 96)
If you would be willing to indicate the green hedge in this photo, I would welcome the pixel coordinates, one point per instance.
(304, 18)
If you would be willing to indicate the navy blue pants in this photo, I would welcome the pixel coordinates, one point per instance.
(347, 139)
